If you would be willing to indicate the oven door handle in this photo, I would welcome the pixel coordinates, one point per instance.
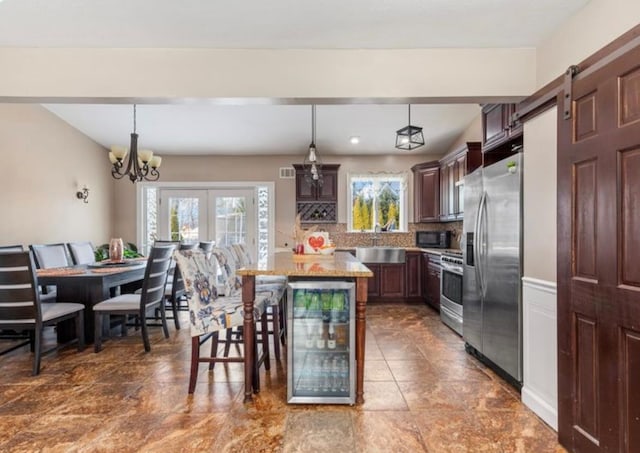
(479, 245)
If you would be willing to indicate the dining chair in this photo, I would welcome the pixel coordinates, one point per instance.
(174, 291)
(10, 248)
(82, 252)
(210, 313)
(47, 256)
(151, 296)
(207, 247)
(20, 306)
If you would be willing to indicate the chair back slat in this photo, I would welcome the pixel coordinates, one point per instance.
(155, 278)
(18, 295)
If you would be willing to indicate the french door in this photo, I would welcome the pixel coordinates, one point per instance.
(598, 261)
(226, 216)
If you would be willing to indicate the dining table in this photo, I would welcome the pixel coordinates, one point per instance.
(340, 265)
(89, 284)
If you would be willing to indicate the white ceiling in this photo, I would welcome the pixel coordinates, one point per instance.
(267, 129)
(210, 128)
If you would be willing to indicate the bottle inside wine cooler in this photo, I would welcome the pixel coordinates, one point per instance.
(331, 337)
(309, 343)
(320, 341)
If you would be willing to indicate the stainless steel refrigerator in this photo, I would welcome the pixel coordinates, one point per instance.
(492, 291)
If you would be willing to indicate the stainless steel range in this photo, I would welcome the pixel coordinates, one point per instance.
(451, 290)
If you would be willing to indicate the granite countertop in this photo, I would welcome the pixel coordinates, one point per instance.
(340, 264)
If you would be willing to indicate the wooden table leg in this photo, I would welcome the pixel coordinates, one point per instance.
(361, 325)
(248, 296)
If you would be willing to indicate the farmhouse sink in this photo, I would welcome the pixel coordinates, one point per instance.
(380, 254)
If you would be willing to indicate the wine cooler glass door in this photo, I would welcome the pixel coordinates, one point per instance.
(321, 342)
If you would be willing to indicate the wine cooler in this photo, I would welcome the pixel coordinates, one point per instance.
(321, 342)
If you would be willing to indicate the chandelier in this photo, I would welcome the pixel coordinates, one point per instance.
(312, 165)
(141, 166)
(409, 137)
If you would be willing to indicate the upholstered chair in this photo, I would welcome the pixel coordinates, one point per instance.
(210, 313)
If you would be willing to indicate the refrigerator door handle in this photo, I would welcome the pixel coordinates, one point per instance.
(480, 244)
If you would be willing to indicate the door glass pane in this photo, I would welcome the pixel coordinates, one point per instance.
(184, 216)
(231, 221)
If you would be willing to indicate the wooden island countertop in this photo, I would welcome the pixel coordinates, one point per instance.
(341, 265)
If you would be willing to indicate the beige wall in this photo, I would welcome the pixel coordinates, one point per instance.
(590, 29)
(43, 162)
(539, 191)
(223, 73)
(265, 168)
(473, 133)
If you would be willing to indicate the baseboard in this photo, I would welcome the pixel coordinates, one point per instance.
(540, 368)
(543, 410)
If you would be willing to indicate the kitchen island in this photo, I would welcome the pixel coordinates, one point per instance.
(340, 265)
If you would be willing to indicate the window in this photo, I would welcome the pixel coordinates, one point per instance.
(378, 200)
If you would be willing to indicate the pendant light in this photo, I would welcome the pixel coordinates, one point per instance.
(312, 165)
(409, 137)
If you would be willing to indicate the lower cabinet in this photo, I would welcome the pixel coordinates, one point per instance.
(388, 282)
(433, 284)
(413, 275)
(431, 280)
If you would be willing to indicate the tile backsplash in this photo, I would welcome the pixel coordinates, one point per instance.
(342, 238)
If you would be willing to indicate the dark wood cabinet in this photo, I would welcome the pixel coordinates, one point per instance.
(497, 128)
(453, 168)
(392, 281)
(426, 179)
(413, 275)
(373, 285)
(388, 282)
(433, 285)
(317, 204)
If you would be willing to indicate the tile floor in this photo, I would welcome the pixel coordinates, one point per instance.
(423, 393)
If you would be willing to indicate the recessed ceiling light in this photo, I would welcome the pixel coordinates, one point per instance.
(354, 140)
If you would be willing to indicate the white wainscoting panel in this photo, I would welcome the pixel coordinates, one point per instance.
(540, 381)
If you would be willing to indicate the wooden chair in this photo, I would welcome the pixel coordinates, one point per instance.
(20, 306)
(151, 296)
(207, 247)
(47, 256)
(82, 252)
(174, 291)
(10, 248)
(209, 314)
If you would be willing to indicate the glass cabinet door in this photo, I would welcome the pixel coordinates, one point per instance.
(321, 342)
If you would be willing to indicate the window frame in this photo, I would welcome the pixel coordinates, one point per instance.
(403, 177)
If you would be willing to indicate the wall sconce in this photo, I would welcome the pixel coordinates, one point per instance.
(83, 194)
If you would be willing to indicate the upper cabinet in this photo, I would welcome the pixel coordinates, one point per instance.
(317, 204)
(496, 125)
(426, 184)
(453, 168)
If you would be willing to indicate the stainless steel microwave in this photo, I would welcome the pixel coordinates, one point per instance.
(433, 239)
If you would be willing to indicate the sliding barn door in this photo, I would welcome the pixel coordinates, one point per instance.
(599, 261)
